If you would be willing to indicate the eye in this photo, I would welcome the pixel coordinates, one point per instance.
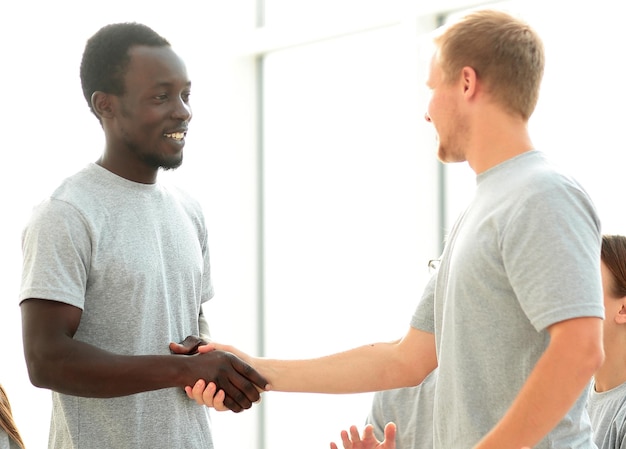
(185, 96)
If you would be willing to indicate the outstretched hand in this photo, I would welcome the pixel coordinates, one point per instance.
(368, 440)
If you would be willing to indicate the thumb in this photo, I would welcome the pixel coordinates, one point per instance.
(208, 347)
(177, 348)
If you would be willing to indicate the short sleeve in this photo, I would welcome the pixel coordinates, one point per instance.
(56, 247)
(424, 316)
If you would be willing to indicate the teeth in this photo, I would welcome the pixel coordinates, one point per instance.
(175, 136)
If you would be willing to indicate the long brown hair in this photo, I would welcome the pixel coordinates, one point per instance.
(614, 257)
(6, 419)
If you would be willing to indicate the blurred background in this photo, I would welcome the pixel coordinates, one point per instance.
(310, 154)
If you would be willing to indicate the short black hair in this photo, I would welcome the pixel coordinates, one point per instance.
(105, 58)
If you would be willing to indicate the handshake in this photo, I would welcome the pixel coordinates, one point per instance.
(227, 381)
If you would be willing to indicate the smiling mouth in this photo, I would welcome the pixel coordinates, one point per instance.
(176, 136)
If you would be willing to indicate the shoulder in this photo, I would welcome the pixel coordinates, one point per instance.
(535, 187)
(185, 202)
(530, 171)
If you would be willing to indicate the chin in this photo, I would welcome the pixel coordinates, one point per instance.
(446, 156)
(172, 164)
(442, 155)
(165, 163)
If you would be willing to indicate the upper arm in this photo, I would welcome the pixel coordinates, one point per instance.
(578, 340)
(577, 331)
(46, 326)
(418, 352)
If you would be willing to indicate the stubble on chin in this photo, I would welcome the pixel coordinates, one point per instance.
(162, 162)
(172, 163)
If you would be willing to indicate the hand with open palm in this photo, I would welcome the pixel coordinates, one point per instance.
(368, 440)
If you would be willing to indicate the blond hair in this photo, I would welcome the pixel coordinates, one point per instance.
(6, 419)
(506, 54)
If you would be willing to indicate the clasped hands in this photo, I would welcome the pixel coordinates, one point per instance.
(208, 394)
(230, 382)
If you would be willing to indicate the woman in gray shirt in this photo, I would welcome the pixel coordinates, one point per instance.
(607, 398)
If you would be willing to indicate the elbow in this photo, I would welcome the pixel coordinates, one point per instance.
(41, 370)
(577, 343)
(36, 373)
(590, 360)
(596, 359)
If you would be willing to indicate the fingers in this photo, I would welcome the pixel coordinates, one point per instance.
(368, 433)
(390, 435)
(352, 440)
(235, 398)
(251, 374)
(345, 440)
(246, 388)
(205, 394)
(188, 346)
(202, 349)
(177, 348)
(202, 393)
(218, 401)
(354, 434)
(241, 383)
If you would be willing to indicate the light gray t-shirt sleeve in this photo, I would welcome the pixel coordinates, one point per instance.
(550, 251)
(56, 233)
(424, 316)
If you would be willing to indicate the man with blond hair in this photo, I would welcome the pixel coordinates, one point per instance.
(513, 317)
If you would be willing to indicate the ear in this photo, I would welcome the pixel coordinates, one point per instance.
(620, 318)
(102, 104)
(469, 79)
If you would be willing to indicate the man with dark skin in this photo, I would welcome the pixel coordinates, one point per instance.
(116, 268)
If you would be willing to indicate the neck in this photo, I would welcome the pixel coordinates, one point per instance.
(496, 137)
(128, 169)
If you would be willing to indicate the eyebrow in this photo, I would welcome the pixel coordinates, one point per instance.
(169, 84)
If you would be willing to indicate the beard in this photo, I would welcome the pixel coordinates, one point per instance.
(153, 160)
(149, 157)
(449, 153)
(451, 148)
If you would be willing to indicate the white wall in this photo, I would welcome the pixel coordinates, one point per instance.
(350, 210)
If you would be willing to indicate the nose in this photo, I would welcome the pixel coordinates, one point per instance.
(182, 111)
(427, 117)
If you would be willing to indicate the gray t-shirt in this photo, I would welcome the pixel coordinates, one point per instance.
(411, 409)
(608, 417)
(524, 255)
(134, 258)
(6, 442)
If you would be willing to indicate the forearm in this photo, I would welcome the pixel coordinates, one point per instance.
(84, 370)
(366, 368)
(553, 387)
